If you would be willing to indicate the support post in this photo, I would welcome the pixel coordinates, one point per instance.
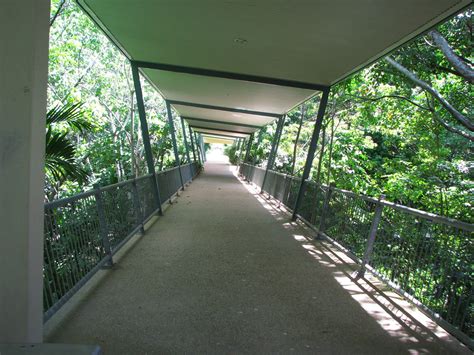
(23, 90)
(185, 141)
(273, 150)
(192, 142)
(241, 140)
(104, 230)
(259, 140)
(198, 148)
(145, 135)
(175, 144)
(237, 149)
(371, 238)
(312, 149)
(249, 146)
(203, 150)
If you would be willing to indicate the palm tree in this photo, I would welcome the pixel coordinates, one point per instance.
(60, 161)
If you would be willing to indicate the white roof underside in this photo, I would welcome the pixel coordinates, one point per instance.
(316, 42)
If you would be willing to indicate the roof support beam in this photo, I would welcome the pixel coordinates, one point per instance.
(146, 137)
(175, 144)
(232, 76)
(220, 108)
(220, 129)
(249, 147)
(185, 141)
(192, 142)
(222, 122)
(274, 150)
(312, 149)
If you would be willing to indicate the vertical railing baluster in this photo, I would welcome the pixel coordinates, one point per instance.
(139, 213)
(372, 235)
(104, 231)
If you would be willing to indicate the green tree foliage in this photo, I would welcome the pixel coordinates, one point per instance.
(387, 132)
(85, 67)
(60, 159)
(402, 127)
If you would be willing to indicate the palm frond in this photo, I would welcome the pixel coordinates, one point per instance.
(71, 114)
(60, 162)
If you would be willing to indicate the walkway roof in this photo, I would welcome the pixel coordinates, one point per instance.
(246, 62)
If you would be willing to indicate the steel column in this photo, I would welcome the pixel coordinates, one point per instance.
(249, 146)
(312, 149)
(259, 140)
(203, 150)
(192, 142)
(145, 135)
(185, 140)
(241, 149)
(273, 150)
(237, 149)
(199, 147)
(175, 144)
(278, 140)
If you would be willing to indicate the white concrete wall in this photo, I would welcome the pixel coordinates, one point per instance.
(24, 29)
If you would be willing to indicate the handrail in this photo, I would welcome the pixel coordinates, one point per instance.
(66, 200)
(84, 231)
(420, 213)
(399, 244)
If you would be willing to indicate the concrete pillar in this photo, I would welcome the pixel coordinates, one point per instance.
(24, 30)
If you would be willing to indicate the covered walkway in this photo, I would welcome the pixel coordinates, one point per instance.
(224, 271)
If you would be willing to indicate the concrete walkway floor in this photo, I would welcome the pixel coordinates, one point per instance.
(225, 272)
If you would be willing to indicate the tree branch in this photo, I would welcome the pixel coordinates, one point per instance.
(391, 97)
(451, 128)
(448, 127)
(461, 67)
(56, 14)
(465, 121)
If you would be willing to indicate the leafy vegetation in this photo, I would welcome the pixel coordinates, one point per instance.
(402, 127)
(88, 73)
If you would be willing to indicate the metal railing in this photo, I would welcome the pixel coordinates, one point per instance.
(428, 258)
(83, 232)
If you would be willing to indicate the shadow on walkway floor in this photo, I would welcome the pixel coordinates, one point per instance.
(225, 272)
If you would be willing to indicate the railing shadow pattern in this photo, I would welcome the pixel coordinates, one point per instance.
(83, 232)
(426, 257)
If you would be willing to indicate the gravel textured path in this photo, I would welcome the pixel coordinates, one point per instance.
(222, 273)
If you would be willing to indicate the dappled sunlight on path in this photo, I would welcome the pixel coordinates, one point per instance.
(224, 271)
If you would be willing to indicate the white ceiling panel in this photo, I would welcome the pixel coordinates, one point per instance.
(220, 133)
(295, 47)
(225, 116)
(220, 126)
(227, 92)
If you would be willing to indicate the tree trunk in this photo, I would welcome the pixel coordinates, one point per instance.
(458, 64)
